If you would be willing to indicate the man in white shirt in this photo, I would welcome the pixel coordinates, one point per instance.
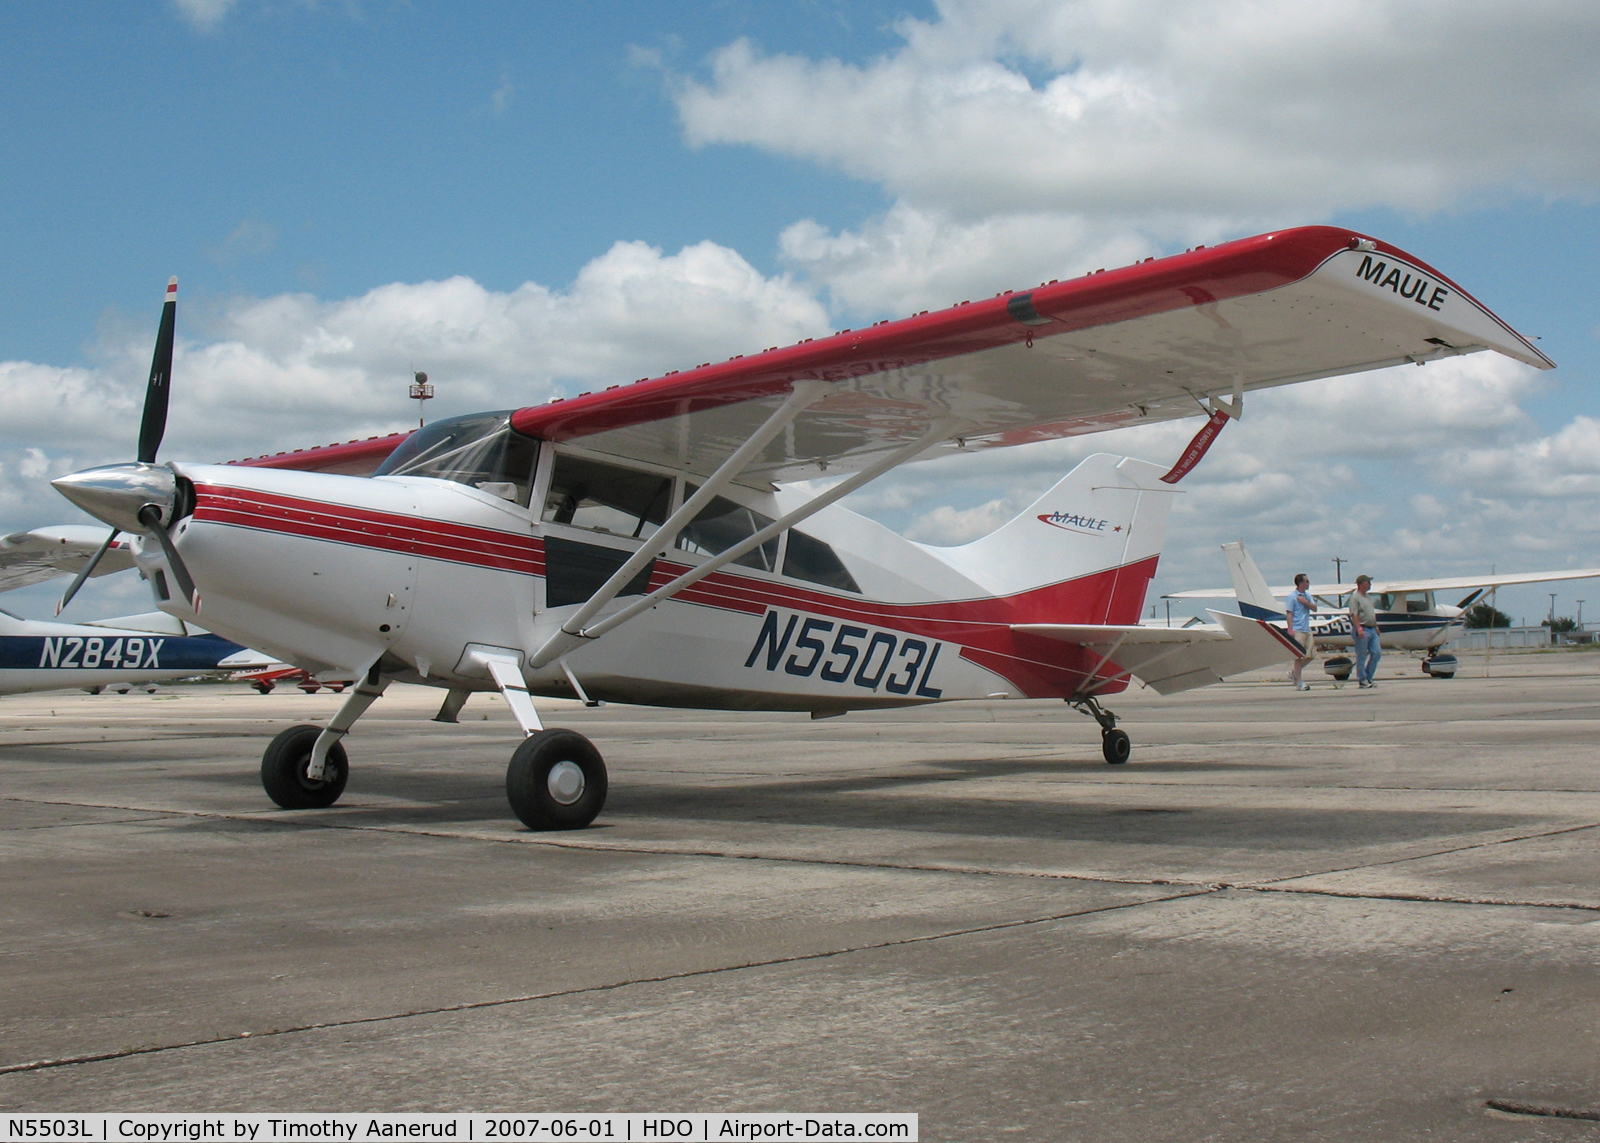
(1364, 626)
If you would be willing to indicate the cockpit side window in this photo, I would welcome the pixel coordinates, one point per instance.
(607, 497)
(721, 524)
(480, 449)
(810, 559)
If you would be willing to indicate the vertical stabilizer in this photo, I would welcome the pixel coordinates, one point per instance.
(1097, 533)
(1256, 600)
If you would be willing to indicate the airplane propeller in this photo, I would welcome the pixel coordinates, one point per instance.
(139, 497)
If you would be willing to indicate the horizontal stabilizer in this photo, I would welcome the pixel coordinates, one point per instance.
(1173, 659)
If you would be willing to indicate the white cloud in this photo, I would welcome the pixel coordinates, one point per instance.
(252, 236)
(204, 14)
(292, 370)
(501, 97)
(1122, 106)
(1032, 139)
(1434, 470)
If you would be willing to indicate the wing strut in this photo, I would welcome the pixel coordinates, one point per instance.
(572, 634)
(805, 393)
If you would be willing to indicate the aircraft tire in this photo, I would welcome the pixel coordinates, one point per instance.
(283, 771)
(556, 780)
(1116, 746)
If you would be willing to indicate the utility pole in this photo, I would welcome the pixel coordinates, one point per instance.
(421, 392)
(1338, 564)
(1580, 615)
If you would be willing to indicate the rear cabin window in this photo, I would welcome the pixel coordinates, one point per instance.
(722, 524)
(808, 558)
(607, 497)
(480, 449)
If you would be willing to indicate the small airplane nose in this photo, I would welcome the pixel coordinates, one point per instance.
(116, 492)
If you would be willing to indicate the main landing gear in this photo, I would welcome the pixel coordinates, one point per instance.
(556, 779)
(1114, 744)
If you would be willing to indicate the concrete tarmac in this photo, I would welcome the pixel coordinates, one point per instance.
(1342, 915)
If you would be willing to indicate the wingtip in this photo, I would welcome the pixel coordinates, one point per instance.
(172, 288)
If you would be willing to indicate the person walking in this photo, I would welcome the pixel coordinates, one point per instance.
(1364, 626)
(1299, 616)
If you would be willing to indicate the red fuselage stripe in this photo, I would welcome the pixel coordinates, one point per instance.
(980, 626)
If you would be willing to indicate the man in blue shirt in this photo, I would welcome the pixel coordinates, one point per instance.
(1299, 616)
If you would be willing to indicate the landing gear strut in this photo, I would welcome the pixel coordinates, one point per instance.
(1114, 744)
(305, 767)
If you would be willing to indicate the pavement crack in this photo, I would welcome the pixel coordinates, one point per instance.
(592, 989)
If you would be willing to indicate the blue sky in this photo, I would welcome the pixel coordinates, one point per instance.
(531, 198)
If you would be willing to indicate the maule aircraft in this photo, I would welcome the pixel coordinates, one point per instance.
(650, 543)
(1410, 617)
(41, 656)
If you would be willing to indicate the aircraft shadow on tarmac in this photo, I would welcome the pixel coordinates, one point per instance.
(884, 802)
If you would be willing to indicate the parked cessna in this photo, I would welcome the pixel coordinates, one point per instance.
(36, 655)
(42, 656)
(647, 543)
(1410, 618)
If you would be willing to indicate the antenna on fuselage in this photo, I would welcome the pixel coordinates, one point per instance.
(421, 391)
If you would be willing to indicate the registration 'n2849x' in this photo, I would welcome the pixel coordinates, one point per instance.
(846, 654)
(76, 652)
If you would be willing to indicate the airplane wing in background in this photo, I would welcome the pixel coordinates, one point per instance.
(1393, 586)
(45, 553)
(1173, 659)
(1144, 343)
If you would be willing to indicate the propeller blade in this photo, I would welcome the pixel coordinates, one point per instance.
(1471, 599)
(87, 571)
(150, 517)
(154, 425)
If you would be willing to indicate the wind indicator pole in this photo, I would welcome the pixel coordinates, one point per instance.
(421, 391)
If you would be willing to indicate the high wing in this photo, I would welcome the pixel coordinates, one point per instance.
(1388, 586)
(45, 553)
(1173, 659)
(1144, 343)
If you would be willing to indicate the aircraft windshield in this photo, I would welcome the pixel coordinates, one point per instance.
(480, 449)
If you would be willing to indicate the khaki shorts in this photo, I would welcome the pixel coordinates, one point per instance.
(1308, 640)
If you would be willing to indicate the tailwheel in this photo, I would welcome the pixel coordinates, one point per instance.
(285, 767)
(556, 780)
(1114, 744)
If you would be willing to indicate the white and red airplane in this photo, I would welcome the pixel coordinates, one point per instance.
(648, 543)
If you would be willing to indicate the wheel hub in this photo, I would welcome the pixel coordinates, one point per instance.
(565, 782)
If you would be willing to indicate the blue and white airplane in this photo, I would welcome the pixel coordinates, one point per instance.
(1410, 617)
(37, 655)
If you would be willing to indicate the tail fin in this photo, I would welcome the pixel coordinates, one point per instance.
(1095, 537)
(1256, 600)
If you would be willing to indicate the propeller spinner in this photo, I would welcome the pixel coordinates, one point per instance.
(138, 497)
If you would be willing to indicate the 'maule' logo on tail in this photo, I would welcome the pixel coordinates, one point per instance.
(1073, 522)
